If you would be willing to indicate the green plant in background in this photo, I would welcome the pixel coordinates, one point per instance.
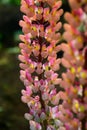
(0, 40)
(17, 2)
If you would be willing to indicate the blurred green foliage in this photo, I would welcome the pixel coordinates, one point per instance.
(16, 2)
(11, 107)
(9, 23)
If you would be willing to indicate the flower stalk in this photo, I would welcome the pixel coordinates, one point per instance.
(52, 108)
(39, 63)
(75, 79)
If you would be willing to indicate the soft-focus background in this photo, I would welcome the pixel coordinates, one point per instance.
(11, 108)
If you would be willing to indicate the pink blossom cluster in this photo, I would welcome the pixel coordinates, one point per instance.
(55, 102)
(39, 63)
(74, 80)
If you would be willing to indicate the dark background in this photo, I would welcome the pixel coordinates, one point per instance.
(11, 108)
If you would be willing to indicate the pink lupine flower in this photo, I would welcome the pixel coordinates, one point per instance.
(28, 9)
(26, 94)
(75, 79)
(54, 112)
(35, 126)
(39, 63)
(49, 107)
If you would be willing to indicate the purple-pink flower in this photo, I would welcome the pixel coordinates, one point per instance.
(39, 63)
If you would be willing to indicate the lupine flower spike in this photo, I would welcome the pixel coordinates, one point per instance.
(39, 63)
(74, 108)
